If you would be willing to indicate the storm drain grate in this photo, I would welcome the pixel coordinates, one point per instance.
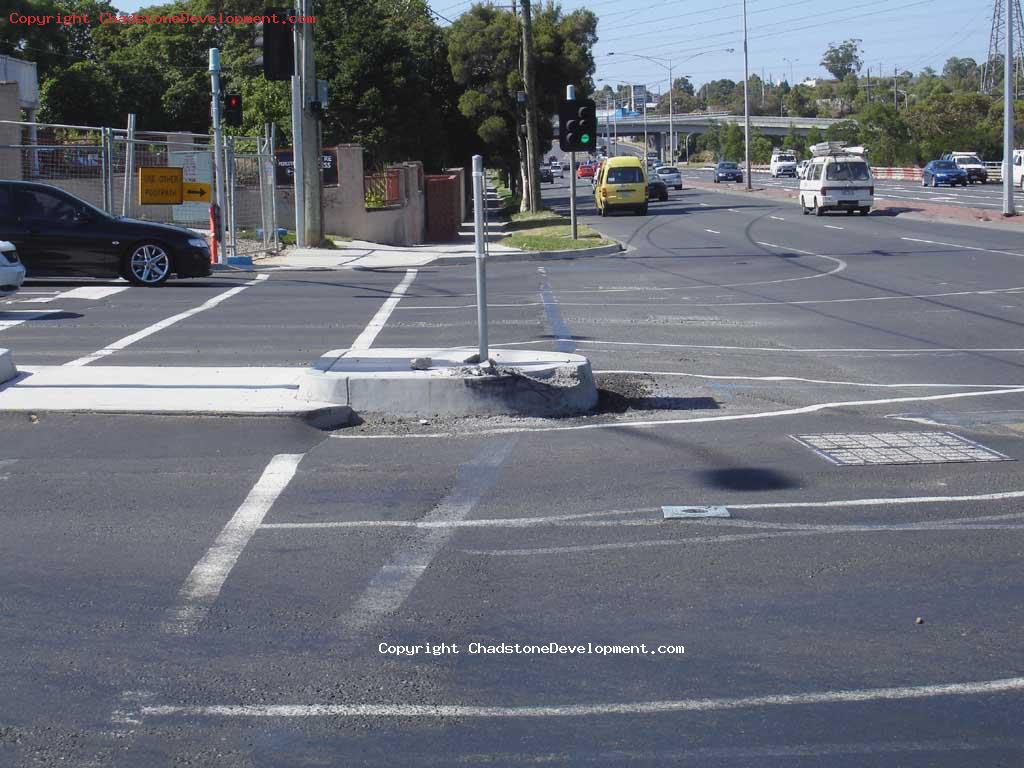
(897, 448)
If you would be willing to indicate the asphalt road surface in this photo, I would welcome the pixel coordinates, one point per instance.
(255, 592)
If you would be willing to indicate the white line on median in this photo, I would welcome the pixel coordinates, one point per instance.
(204, 583)
(127, 341)
(861, 695)
(965, 247)
(376, 325)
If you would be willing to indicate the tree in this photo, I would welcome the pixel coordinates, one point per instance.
(731, 139)
(84, 94)
(798, 102)
(885, 134)
(962, 74)
(719, 93)
(844, 130)
(843, 59)
(954, 121)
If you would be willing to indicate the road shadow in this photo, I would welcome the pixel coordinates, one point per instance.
(749, 479)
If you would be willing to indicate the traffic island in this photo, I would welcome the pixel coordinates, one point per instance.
(452, 382)
(7, 369)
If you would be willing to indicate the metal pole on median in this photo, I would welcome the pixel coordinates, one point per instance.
(570, 95)
(1008, 129)
(481, 264)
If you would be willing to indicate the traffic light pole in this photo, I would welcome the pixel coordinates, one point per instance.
(217, 205)
(570, 95)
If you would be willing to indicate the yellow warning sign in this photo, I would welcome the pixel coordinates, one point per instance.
(195, 192)
(159, 186)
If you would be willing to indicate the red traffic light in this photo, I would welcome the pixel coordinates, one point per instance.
(234, 101)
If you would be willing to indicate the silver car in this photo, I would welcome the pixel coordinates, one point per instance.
(670, 175)
(12, 271)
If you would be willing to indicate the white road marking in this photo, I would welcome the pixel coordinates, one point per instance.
(376, 325)
(808, 381)
(91, 293)
(699, 420)
(805, 350)
(586, 519)
(705, 205)
(847, 696)
(127, 341)
(394, 582)
(713, 231)
(777, 218)
(12, 317)
(829, 226)
(204, 583)
(964, 247)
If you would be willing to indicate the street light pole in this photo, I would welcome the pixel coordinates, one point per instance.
(671, 141)
(1008, 132)
(746, 98)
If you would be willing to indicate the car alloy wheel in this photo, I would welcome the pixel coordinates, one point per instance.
(149, 264)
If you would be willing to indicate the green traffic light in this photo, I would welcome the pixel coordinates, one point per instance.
(585, 138)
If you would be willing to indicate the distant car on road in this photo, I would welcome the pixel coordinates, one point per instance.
(670, 175)
(585, 171)
(783, 164)
(971, 165)
(801, 169)
(12, 271)
(727, 171)
(546, 175)
(59, 235)
(943, 172)
(556, 169)
(656, 189)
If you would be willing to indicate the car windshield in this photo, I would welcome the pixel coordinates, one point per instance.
(625, 176)
(968, 161)
(944, 164)
(786, 159)
(727, 166)
(668, 170)
(847, 171)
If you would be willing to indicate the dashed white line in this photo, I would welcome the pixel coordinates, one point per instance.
(777, 218)
(127, 341)
(829, 226)
(204, 583)
(847, 696)
(713, 231)
(376, 325)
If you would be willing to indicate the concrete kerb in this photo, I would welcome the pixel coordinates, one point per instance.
(8, 371)
(578, 253)
(448, 382)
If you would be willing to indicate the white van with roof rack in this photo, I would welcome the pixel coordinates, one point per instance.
(838, 178)
(783, 163)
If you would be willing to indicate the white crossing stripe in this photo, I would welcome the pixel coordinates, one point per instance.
(376, 325)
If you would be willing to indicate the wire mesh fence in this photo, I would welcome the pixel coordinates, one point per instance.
(102, 165)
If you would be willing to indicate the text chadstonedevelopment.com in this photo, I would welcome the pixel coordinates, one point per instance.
(528, 649)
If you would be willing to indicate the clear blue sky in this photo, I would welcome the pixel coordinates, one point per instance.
(910, 34)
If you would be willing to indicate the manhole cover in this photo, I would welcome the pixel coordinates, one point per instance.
(897, 448)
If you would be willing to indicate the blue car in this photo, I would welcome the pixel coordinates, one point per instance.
(943, 172)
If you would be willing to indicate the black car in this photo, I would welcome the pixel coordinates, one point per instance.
(60, 235)
(656, 189)
(728, 171)
(546, 175)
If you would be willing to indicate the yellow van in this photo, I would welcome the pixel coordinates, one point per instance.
(622, 184)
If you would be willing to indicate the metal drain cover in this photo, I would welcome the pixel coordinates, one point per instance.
(897, 448)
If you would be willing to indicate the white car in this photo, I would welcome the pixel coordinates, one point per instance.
(670, 176)
(556, 170)
(783, 164)
(801, 169)
(838, 178)
(12, 271)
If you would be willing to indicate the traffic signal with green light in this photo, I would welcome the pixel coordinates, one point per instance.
(233, 109)
(577, 125)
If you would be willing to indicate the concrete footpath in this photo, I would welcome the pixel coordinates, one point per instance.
(356, 254)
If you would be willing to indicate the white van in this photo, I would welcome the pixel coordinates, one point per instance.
(783, 163)
(838, 178)
(1018, 169)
